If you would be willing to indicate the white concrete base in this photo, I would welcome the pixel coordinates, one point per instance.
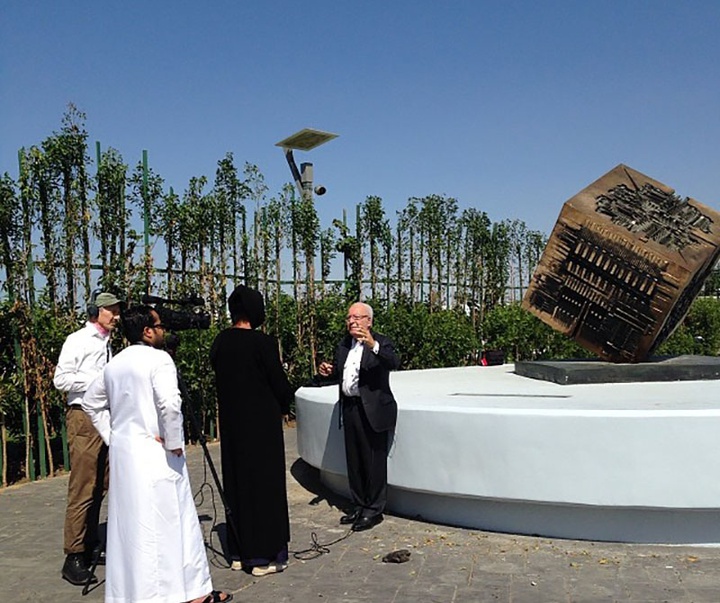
(484, 448)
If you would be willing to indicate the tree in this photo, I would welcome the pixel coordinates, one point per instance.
(496, 271)
(277, 222)
(327, 254)
(167, 221)
(228, 192)
(477, 239)
(10, 231)
(255, 188)
(437, 218)
(113, 218)
(408, 223)
(307, 226)
(146, 194)
(517, 239)
(377, 231)
(67, 157)
(200, 220)
(39, 198)
(536, 243)
(350, 247)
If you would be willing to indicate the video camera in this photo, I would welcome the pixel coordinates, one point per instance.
(191, 315)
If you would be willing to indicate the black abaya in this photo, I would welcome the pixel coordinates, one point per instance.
(253, 394)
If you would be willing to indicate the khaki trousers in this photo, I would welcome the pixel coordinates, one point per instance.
(88, 482)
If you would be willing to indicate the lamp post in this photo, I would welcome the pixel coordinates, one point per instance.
(304, 140)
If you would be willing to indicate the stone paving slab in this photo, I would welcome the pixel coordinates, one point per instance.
(447, 564)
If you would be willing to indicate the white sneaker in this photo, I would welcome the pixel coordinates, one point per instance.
(236, 566)
(271, 568)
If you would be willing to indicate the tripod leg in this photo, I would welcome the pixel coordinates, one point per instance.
(96, 558)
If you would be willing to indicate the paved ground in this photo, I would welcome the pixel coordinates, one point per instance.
(446, 564)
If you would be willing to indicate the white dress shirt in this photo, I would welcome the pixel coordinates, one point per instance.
(82, 358)
(351, 370)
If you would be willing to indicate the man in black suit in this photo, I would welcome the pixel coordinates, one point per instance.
(363, 362)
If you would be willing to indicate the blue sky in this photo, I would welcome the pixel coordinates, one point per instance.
(509, 107)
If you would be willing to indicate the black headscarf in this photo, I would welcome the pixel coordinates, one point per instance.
(247, 303)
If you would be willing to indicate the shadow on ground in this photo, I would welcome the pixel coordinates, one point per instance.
(308, 477)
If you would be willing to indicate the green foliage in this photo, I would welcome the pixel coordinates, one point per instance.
(113, 218)
(698, 334)
(10, 382)
(679, 343)
(522, 336)
(375, 225)
(65, 160)
(425, 339)
(351, 249)
(442, 284)
(10, 229)
(192, 359)
(281, 324)
(331, 311)
(703, 321)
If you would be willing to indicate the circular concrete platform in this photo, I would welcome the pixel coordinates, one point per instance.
(482, 447)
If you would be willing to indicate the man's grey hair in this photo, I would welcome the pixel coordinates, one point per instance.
(368, 308)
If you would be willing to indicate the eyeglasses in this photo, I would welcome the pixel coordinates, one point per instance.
(159, 326)
(356, 317)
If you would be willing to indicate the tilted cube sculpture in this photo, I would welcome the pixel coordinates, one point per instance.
(624, 262)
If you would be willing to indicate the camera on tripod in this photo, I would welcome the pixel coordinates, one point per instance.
(191, 313)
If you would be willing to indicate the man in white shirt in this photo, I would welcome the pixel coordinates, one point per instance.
(82, 358)
(155, 547)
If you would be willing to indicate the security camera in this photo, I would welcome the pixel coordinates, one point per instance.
(320, 190)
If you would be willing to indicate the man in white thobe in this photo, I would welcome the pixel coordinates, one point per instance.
(155, 548)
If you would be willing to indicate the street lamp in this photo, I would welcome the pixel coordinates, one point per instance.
(304, 140)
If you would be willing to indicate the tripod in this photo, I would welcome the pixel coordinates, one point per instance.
(203, 442)
(187, 404)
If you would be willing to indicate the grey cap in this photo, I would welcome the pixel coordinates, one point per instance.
(103, 300)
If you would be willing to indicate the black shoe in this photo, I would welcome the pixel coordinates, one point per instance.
(76, 571)
(365, 523)
(346, 520)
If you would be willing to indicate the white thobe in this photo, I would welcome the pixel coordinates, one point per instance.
(155, 548)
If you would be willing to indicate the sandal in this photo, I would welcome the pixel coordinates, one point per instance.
(218, 596)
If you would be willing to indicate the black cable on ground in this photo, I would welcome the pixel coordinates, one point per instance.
(199, 498)
(317, 549)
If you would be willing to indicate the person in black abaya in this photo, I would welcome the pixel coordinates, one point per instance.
(254, 397)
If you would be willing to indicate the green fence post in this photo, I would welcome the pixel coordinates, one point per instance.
(30, 469)
(65, 449)
(146, 220)
(42, 453)
(2, 441)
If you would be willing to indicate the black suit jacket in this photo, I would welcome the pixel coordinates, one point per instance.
(374, 380)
